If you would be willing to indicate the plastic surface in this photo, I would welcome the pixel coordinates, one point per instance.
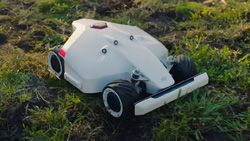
(157, 101)
(96, 57)
(99, 53)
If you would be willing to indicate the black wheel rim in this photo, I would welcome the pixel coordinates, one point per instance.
(113, 102)
(55, 64)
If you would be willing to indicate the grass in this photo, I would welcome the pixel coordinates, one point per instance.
(11, 82)
(213, 108)
(61, 9)
(35, 105)
(229, 25)
(1, 30)
(221, 65)
(3, 5)
(62, 120)
(187, 8)
(191, 117)
(15, 70)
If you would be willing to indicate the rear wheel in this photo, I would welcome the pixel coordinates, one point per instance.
(119, 98)
(183, 68)
(56, 63)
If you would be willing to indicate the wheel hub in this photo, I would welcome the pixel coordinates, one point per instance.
(55, 63)
(113, 102)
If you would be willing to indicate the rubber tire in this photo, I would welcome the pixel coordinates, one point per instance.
(59, 59)
(128, 96)
(183, 68)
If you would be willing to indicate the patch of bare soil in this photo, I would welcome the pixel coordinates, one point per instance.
(12, 128)
(39, 35)
(243, 105)
(16, 34)
(4, 12)
(3, 39)
(246, 135)
(215, 136)
(107, 7)
(24, 46)
(139, 128)
(172, 38)
(164, 28)
(200, 1)
(162, 23)
(52, 25)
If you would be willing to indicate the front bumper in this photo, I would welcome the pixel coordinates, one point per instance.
(169, 94)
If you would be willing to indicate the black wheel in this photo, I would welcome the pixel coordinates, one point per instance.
(183, 68)
(119, 98)
(56, 63)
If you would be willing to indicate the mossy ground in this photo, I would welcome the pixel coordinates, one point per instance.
(35, 105)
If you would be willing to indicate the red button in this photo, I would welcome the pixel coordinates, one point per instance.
(101, 25)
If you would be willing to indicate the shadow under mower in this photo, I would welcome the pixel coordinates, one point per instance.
(125, 64)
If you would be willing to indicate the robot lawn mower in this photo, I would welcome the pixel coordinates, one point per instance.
(131, 68)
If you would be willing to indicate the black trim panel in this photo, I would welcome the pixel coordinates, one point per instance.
(170, 88)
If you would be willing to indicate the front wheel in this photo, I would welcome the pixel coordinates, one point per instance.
(119, 98)
(183, 68)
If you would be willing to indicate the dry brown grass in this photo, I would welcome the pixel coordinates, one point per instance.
(16, 59)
